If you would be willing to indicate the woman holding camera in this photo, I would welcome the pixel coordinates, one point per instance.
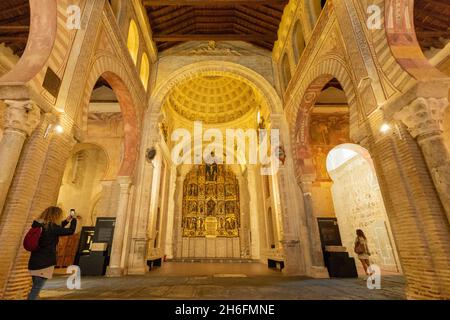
(43, 260)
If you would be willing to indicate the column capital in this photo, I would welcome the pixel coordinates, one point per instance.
(124, 182)
(22, 116)
(423, 116)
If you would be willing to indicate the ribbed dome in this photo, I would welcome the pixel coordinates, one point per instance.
(212, 99)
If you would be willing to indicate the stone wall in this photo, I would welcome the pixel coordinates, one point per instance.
(359, 205)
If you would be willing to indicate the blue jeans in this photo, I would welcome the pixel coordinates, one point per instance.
(38, 284)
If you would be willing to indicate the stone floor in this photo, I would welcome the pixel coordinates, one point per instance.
(242, 281)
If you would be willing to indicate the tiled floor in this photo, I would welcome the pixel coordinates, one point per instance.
(242, 281)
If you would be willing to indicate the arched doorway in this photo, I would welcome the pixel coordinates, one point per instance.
(221, 96)
(358, 204)
(99, 164)
(85, 170)
(322, 125)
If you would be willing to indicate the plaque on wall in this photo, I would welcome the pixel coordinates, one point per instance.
(84, 245)
(104, 231)
(329, 232)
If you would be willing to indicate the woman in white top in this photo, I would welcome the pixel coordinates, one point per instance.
(362, 250)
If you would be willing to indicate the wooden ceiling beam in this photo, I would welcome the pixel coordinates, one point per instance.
(14, 28)
(270, 11)
(212, 37)
(13, 39)
(155, 3)
(258, 14)
(259, 22)
(168, 18)
(20, 9)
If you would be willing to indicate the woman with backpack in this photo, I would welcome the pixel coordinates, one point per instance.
(43, 256)
(362, 250)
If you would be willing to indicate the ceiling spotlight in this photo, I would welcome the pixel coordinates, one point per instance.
(59, 128)
(385, 128)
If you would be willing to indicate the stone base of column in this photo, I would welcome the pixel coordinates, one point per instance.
(318, 272)
(137, 271)
(114, 272)
(292, 271)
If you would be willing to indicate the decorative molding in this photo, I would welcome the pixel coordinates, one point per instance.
(23, 116)
(424, 116)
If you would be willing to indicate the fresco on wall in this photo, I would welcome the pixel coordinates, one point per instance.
(211, 202)
(327, 131)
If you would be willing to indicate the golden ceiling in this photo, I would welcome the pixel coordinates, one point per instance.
(212, 99)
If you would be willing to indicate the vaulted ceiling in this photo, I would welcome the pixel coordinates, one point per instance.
(14, 24)
(254, 21)
(212, 99)
(432, 22)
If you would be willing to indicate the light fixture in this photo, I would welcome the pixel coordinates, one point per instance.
(55, 128)
(59, 128)
(385, 128)
(258, 116)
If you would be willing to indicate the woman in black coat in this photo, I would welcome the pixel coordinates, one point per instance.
(42, 261)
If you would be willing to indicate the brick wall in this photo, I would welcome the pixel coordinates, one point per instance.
(418, 221)
(35, 187)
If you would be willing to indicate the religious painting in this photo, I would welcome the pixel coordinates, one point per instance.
(211, 208)
(210, 190)
(211, 172)
(211, 202)
(220, 191)
(327, 131)
(229, 190)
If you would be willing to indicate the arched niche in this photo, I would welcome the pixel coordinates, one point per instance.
(358, 204)
(145, 70)
(286, 70)
(84, 172)
(133, 41)
(298, 41)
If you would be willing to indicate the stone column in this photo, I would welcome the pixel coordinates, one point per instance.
(169, 245)
(178, 212)
(21, 118)
(254, 210)
(115, 269)
(424, 117)
(298, 221)
(318, 265)
(245, 216)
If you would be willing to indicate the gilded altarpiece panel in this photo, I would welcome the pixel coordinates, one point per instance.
(211, 202)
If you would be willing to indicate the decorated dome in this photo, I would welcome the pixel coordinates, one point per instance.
(212, 99)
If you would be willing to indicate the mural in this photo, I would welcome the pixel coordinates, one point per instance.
(211, 202)
(326, 131)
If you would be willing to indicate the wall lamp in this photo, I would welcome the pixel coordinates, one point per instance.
(53, 127)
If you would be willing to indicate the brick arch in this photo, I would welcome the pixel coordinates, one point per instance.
(299, 115)
(402, 40)
(128, 94)
(41, 38)
(216, 68)
(92, 145)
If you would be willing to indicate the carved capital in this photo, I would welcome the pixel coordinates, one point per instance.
(22, 115)
(424, 116)
(124, 183)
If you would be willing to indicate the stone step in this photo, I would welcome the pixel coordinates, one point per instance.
(213, 260)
